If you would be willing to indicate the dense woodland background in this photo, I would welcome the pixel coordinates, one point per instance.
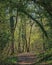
(26, 26)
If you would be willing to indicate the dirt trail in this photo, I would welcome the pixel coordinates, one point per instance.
(26, 59)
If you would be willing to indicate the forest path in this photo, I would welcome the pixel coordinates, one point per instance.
(26, 59)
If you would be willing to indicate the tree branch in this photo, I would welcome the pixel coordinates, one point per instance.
(42, 28)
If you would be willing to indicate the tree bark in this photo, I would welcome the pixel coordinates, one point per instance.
(12, 45)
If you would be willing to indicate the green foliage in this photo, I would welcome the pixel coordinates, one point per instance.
(4, 34)
(11, 14)
(45, 57)
(11, 60)
(4, 39)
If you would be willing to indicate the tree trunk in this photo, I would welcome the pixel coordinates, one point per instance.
(19, 40)
(28, 48)
(43, 37)
(12, 45)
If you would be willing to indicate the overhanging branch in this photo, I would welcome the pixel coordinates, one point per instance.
(42, 28)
